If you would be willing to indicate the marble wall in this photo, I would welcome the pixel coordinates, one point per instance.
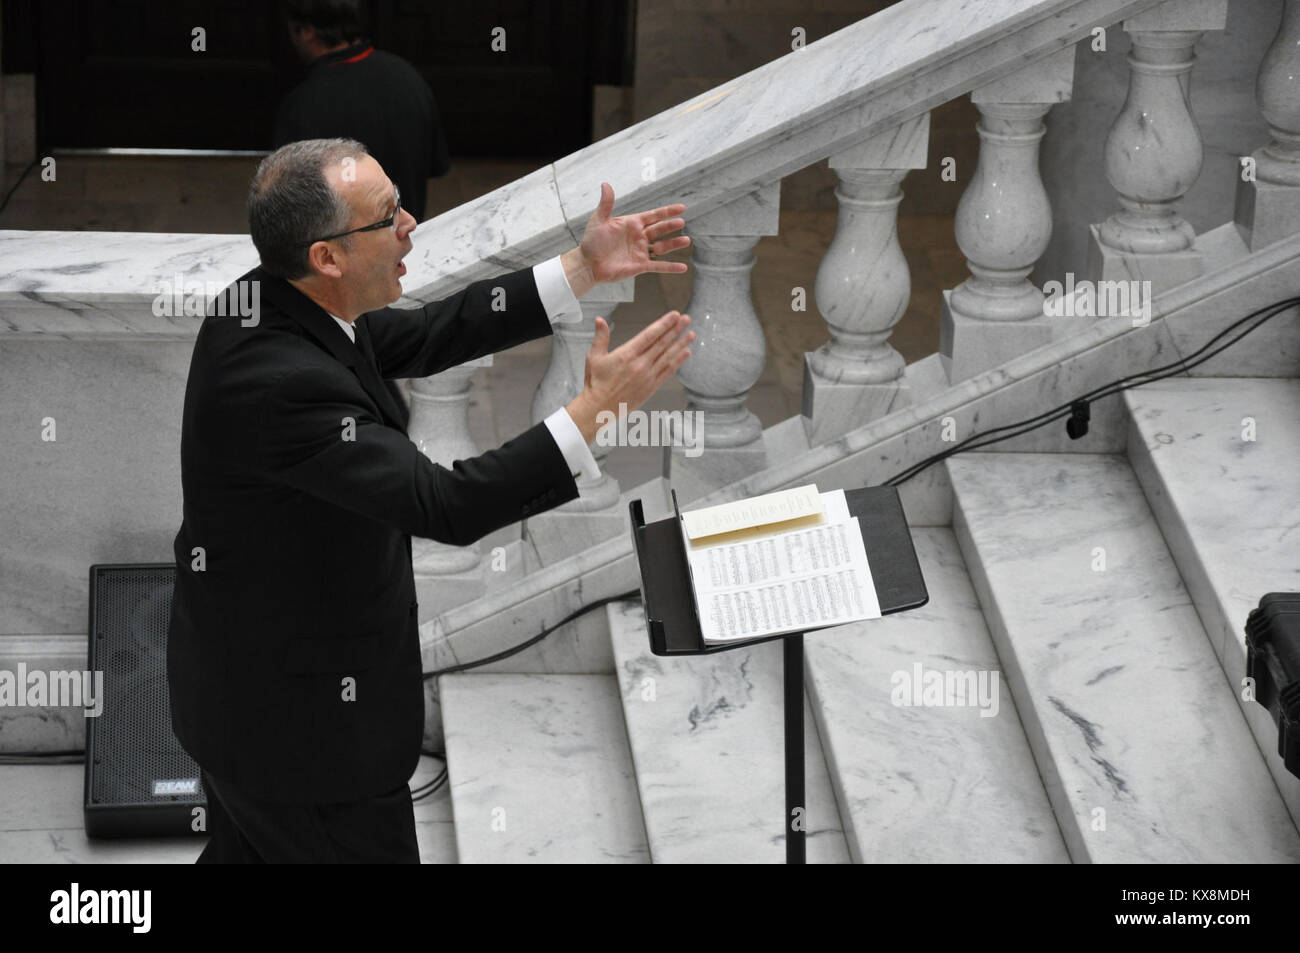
(105, 489)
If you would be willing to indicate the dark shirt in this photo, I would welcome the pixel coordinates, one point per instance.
(378, 99)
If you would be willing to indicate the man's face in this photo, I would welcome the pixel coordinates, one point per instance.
(372, 267)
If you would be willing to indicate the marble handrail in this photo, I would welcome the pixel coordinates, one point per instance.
(729, 141)
(95, 284)
(737, 137)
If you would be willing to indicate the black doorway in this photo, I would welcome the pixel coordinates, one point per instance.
(123, 73)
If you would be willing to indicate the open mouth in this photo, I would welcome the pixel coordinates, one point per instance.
(401, 268)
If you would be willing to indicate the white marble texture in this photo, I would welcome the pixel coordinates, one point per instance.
(1183, 319)
(512, 227)
(49, 728)
(783, 116)
(901, 61)
(787, 114)
(707, 737)
(513, 612)
(1123, 701)
(106, 490)
(1271, 351)
(104, 283)
(540, 770)
(822, 99)
(927, 784)
(1228, 509)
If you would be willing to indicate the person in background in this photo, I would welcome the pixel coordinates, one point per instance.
(354, 91)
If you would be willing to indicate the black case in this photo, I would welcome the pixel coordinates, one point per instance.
(1273, 662)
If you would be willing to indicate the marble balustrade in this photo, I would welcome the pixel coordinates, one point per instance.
(79, 320)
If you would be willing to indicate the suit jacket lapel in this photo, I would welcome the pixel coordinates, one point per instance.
(375, 383)
(325, 330)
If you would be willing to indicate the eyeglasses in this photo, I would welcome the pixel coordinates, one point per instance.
(386, 223)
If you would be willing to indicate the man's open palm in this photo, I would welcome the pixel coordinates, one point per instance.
(618, 248)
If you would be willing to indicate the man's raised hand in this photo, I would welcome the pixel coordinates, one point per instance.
(616, 248)
(625, 378)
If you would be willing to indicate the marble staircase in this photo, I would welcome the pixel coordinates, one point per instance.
(1117, 731)
(1087, 596)
(1113, 734)
(1141, 747)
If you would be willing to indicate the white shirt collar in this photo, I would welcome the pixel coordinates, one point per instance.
(347, 327)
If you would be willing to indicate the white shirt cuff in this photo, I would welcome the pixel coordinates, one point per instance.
(557, 297)
(569, 439)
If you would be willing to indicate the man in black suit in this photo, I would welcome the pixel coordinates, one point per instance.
(293, 656)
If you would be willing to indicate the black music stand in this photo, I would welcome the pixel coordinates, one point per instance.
(674, 623)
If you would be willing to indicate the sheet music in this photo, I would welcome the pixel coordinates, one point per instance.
(787, 582)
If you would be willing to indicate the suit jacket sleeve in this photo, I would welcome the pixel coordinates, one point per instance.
(482, 318)
(318, 436)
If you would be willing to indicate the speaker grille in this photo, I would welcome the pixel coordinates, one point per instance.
(130, 746)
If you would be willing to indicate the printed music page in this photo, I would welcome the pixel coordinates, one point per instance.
(793, 580)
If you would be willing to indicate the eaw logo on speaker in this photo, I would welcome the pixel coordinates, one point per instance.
(171, 788)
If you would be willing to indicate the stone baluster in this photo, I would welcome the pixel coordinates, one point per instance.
(863, 287)
(729, 351)
(445, 575)
(1153, 152)
(1268, 206)
(595, 515)
(1003, 224)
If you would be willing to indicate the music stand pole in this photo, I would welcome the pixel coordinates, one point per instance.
(796, 814)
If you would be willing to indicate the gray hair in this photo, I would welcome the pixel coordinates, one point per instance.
(290, 203)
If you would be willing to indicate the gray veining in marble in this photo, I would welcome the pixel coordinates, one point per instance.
(1217, 459)
(1108, 348)
(1144, 752)
(103, 283)
(928, 783)
(540, 770)
(707, 739)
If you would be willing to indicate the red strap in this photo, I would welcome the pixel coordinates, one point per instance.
(356, 59)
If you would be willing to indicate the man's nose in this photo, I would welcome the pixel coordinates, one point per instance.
(406, 223)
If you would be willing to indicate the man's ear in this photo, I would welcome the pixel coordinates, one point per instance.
(321, 258)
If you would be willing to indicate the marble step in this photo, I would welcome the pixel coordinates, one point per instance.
(708, 743)
(938, 777)
(540, 770)
(1144, 752)
(1227, 506)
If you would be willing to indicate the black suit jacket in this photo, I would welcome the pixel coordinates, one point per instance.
(293, 659)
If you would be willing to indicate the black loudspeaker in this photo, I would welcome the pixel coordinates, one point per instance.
(139, 780)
